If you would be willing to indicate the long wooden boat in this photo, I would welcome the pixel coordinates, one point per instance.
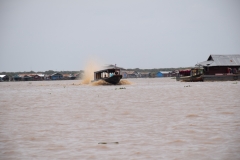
(111, 75)
(195, 76)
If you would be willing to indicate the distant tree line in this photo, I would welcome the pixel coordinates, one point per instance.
(154, 71)
(49, 72)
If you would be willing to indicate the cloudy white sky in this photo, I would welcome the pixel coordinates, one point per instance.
(42, 35)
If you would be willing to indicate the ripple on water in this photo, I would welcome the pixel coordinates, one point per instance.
(153, 118)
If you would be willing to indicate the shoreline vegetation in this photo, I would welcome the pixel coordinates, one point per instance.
(49, 72)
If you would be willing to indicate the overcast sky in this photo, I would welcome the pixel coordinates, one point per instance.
(42, 35)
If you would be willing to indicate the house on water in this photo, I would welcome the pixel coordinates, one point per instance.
(69, 76)
(16, 78)
(163, 74)
(221, 67)
(4, 78)
(144, 74)
(25, 77)
(36, 77)
(56, 76)
(129, 74)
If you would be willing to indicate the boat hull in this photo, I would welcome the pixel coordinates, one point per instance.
(232, 77)
(115, 79)
(191, 78)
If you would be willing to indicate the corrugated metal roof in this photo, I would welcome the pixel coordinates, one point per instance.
(221, 60)
(40, 75)
(56, 74)
(1, 76)
(112, 67)
(107, 70)
(165, 72)
(22, 75)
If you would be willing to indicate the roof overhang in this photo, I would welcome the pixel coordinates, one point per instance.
(108, 70)
(221, 60)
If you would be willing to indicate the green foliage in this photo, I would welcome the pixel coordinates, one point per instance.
(155, 70)
(152, 72)
(49, 72)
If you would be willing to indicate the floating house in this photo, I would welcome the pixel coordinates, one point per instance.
(163, 74)
(69, 76)
(28, 77)
(4, 78)
(56, 76)
(72, 76)
(174, 73)
(16, 78)
(221, 67)
(144, 74)
(129, 74)
(42, 76)
(25, 77)
(36, 77)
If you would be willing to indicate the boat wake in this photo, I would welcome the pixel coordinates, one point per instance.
(125, 82)
(102, 82)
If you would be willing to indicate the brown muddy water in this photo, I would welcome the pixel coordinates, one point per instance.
(150, 119)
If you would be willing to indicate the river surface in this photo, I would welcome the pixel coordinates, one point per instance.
(157, 118)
